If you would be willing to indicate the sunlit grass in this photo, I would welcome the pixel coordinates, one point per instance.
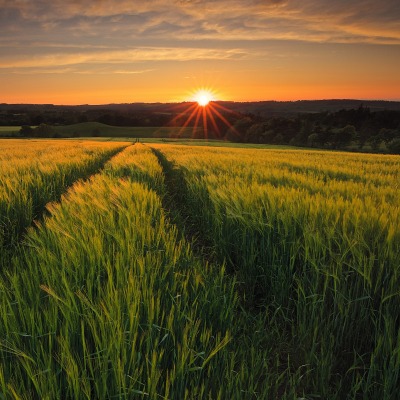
(32, 173)
(313, 237)
(9, 128)
(105, 298)
(9, 131)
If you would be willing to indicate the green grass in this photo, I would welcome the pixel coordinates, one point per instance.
(216, 143)
(97, 129)
(314, 241)
(37, 172)
(119, 308)
(89, 129)
(9, 131)
(105, 297)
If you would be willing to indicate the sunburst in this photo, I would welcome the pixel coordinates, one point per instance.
(203, 97)
(203, 109)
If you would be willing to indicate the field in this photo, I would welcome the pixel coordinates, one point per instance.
(97, 129)
(167, 271)
(9, 130)
(103, 130)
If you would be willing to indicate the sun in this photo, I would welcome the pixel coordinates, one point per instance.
(203, 97)
(203, 111)
(203, 100)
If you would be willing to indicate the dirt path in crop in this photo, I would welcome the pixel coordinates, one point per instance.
(175, 205)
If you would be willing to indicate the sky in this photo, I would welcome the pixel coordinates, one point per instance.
(109, 51)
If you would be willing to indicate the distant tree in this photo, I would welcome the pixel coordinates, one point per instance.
(366, 130)
(313, 140)
(298, 140)
(344, 136)
(255, 133)
(394, 146)
(279, 139)
(237, 132)
(375, 142)
(267, 136)
(26, 130)
(388, 134)
(307, 128)
(37, 119)
(44, 130)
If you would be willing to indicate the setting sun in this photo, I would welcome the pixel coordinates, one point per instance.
(203, 111)
(203, 97)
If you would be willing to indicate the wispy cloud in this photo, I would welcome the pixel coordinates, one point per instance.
(81, 70)
(306, 20)
(37, 71)
(132, 72)
(118, 57)
(152, 45)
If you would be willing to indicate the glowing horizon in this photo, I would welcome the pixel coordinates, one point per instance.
(157, 51)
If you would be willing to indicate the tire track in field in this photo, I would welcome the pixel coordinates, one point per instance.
(175, 205)
(251, 320)
(10, 244)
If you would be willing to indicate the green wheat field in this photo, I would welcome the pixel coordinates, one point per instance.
(166, 271)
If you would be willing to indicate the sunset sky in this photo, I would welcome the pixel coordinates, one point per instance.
(104, 51)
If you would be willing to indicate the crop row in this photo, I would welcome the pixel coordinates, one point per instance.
(314, 240)
(105, 300)
(36, 172)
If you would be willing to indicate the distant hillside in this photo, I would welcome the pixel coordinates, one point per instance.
(334, 124)
(87, 129)
(259, 107)
(97, 129)
(268, 108)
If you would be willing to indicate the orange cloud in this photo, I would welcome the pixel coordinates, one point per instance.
(307, 20)
(119, 56)
(258, 48)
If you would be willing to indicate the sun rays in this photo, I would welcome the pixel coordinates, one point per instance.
(204, 113)
(203, 97)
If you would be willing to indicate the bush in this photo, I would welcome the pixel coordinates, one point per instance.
(313, 140)
(44, 130)
(26, 130)
(394, 146)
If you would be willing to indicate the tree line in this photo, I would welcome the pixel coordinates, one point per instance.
(354, 129)
(358, 129)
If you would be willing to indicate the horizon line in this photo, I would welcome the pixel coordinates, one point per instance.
(189, 101)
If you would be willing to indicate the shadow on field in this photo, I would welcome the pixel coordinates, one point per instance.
(175, 204)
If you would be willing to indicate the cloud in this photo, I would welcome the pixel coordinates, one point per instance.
(308, 20)
(350, 21)
(82, 70)
(78, 36)
(118, 57)
(132, 72)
